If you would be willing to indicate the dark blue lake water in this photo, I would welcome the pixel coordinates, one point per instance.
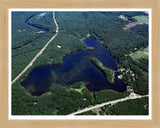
(76, 67)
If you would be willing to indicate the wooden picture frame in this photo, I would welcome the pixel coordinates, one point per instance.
(4, 61)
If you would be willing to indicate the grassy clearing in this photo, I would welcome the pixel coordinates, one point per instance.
(109, 73)
(139, 54)
(78, 87)
(141, 18)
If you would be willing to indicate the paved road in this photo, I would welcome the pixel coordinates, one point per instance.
(106, 103)
(41, 51)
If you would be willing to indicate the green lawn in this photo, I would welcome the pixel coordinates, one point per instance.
(141, 18)
(140, 54)
(78, 87)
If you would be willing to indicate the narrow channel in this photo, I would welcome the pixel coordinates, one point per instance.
(35, 26)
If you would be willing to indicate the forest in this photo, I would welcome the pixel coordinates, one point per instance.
(59, 100)
(73, 27)
(128, 107)
(23, 34)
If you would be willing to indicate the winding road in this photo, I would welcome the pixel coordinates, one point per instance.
(40, 52)
(106, 103)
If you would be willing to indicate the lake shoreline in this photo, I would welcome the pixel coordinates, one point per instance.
(69, 61)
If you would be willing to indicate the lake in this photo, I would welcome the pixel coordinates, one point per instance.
(76, 67)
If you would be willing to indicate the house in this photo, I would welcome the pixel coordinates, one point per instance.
(59, 46)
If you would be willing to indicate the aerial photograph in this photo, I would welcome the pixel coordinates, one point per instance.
(79, 63)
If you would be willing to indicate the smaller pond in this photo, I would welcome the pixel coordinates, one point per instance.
(76, 67)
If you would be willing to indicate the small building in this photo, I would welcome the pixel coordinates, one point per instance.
(122, 17)
(35, 103)
(84, 98)
(129, 88)
(59, 46)
(120, 76)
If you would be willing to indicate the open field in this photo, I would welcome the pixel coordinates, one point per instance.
(78, 87)
(141, 18)
(139, 54)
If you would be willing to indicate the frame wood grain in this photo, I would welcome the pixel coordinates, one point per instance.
(6, 4)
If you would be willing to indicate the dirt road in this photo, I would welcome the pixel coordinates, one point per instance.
(40, 52)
